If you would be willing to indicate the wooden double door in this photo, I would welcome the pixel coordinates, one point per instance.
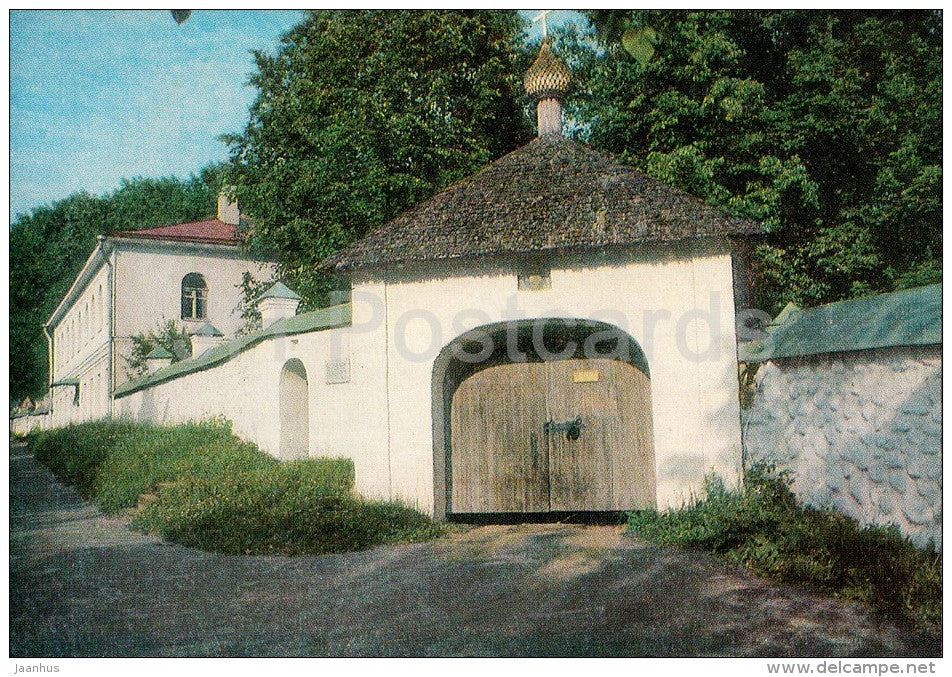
(567, 435)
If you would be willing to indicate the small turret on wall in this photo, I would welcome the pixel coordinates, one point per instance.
(277, 303)
(158, 358)
(205, 338)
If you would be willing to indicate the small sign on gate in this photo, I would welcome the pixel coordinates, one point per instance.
(585, 376)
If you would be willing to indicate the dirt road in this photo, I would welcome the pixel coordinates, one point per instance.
(84, 585)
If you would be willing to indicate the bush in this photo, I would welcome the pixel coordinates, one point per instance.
(287, 509)
(198, 485)
(762, 526)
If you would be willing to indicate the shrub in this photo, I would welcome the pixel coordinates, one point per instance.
(273, 512)
(201, 486)
(761, 525)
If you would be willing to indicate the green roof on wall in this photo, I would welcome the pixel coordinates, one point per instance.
(911, 317)
(325, 318)
(207, 329)
(159, 353)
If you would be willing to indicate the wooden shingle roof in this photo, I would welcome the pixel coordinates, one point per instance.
(553, 193)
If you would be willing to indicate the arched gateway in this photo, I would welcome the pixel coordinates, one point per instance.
(543, 416)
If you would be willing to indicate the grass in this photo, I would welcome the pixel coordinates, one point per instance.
(762, 526)
(199, 485)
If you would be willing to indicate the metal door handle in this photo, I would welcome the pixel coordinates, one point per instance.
(572, 429)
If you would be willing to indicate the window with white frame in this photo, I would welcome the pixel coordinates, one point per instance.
(194, 297)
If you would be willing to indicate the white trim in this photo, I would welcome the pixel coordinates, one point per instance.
(151, 244)
(86, 273)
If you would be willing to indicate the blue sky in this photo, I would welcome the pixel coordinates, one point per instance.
(100, 95)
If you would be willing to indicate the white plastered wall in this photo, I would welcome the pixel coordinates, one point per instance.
(345, 419)
(148, 291)
(381, 417)
(81, 349)
(149, 286)
(669, 306)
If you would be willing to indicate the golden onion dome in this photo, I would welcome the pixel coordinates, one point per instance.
(548, 77)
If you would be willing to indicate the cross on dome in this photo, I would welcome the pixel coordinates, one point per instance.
(541, 17)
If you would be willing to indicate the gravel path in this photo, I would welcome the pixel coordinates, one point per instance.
(82, 584)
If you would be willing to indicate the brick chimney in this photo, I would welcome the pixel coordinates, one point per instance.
(228, 211)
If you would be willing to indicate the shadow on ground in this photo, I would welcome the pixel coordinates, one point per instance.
(84, 585)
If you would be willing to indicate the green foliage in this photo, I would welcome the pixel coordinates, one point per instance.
(251, 289)
(198, 485)
(761, 525)
(286, 510)
(824, 125)
(49, 246)
(362, 114)
(168, 335)
(639, 41)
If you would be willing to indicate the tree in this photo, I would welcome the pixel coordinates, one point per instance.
(824, 125)
(49, 245)
(168, 335)
(251, 290)
(361, 114)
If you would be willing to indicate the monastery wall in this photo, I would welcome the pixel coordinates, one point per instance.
(861, 431)
(370, 384)
(345, 419)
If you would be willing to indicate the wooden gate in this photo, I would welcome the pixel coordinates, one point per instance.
(568, 435)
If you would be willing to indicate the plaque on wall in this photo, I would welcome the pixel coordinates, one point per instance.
(337, 371)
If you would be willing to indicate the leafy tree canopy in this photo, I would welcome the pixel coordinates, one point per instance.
(361, 114)
(49, 245)
(166, 334)
(824, 125)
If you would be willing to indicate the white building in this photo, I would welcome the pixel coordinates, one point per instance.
(552, 334)
(131, 282)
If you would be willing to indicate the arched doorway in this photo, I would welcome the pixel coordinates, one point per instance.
(292, 396)
(543, 416)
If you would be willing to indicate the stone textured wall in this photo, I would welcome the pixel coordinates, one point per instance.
(862, 431)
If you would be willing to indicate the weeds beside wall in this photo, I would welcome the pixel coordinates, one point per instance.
(861, 431)
(761, 525)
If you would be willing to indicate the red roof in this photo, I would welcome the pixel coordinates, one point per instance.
(210, 231)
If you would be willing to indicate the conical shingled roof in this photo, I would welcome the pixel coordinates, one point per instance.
(547, 77)
(551, 194)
